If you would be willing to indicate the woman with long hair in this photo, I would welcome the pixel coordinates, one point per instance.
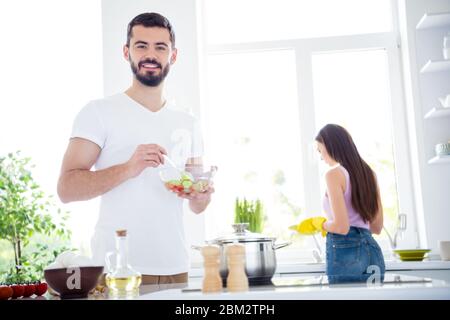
(353, 209)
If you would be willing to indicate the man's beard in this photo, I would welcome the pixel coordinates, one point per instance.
(149, 79)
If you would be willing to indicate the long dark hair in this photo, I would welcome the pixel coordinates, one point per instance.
(341, 148)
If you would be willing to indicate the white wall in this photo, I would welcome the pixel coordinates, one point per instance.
(182, 84)
(432, 182)
(50, 67)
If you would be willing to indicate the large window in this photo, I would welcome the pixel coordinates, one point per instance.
(254, 137)
(237, 21)
(276, 73)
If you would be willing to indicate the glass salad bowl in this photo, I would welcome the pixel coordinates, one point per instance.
(192, 178)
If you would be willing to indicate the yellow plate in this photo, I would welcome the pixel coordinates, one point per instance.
(412, 259)
(412, 255)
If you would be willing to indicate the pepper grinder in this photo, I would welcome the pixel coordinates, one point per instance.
(212, 282)
(237, 280)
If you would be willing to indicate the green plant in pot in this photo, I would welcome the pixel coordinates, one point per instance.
(251, 212)
(28, 219)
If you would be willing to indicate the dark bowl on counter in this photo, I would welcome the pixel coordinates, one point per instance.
(71, 283)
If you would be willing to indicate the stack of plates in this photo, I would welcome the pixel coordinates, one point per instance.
(443, 149)
(412, 255)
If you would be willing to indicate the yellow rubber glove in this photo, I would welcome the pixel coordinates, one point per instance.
(310, 226)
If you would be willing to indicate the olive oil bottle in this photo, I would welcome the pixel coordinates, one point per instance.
(122, 280)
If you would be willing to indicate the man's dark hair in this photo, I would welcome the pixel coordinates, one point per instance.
(150, 19)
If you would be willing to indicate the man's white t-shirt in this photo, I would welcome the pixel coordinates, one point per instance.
(152, 215)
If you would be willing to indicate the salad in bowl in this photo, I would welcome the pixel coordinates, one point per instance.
(193, 178)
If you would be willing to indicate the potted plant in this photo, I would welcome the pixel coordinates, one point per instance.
(26, 213)
(251, 212)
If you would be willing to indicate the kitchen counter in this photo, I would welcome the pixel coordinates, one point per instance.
(300, 287)
(391, 265)
(305, 281)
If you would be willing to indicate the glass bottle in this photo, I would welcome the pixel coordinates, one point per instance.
(122, 279)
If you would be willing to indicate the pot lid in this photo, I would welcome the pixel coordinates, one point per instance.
(241, 234)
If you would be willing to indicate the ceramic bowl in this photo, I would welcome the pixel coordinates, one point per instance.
(73, 282)
(442, 149)
(198, 179)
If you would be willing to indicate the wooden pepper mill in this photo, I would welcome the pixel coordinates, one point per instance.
(212, 282)
(237, 280)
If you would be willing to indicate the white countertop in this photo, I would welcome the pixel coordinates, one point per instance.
(391, 265)
(306, 281)
(428, 289)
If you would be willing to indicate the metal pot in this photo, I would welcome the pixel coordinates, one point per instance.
(260, 257)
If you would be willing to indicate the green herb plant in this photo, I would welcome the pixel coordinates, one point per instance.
(251, 212)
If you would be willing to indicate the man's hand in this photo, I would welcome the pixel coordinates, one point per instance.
(197, 196)
(146, 155)
(198, 201)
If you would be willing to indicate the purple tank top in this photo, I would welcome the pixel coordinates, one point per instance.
(354, 217)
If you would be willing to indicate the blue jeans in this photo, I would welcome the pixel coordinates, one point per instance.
(354, 257)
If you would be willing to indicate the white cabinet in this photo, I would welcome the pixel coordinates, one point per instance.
(435, 74)
(434, 20)
(433, 274)
(436, 66)
(439, 159)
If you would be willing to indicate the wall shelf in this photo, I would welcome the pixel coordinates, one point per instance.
(439, 159)
(438, 113)
(435, 66)
(434, 20)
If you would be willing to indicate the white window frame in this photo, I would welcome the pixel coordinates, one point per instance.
(304, 50)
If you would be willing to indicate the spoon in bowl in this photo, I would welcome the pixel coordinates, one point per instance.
(182, 172)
